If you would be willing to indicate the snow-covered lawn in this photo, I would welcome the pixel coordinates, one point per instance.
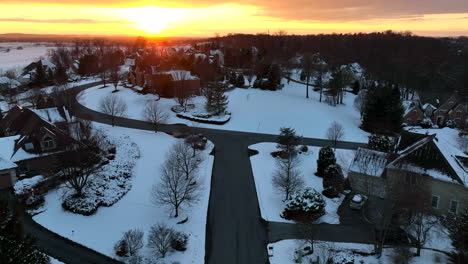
(284, 253)
(135, 210)
(271, 201)
(16, 58)
(255, 110)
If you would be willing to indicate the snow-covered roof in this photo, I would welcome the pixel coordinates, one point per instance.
(7, 150)
(11, 82)
(369, 162)
(47, 63)
(26, 184)
(6, 164)
(428, 105)
(178, 75)
(52, 114)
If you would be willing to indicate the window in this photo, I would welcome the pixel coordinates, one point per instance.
(435, 201)
(28, 146)
(48, 143)
(453, 207)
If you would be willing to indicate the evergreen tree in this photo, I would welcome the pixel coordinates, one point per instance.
(60, 74)
(288, 140)
(39, 79)
(326, 158)
(219, 101)
(356, 87)
(458, 232)
(274, 77)
(383, 110)
(380, 143)
(15, 247)
(333, 178)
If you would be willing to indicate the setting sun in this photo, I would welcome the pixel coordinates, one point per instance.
(153, 20)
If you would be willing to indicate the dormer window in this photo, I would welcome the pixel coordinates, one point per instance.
(28, 146)
(48, 143)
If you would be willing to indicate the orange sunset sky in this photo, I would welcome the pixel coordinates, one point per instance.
(207, 17)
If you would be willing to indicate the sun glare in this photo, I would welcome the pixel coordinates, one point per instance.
(154, 20)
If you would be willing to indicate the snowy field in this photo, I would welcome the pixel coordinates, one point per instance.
(135, 210)
(17, 59)
(284, 253)
(255, 110)
(271, 204)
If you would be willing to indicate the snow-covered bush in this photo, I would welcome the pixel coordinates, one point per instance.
(24, 186)
(179, 241)
(34, 200)
(426, 123)
(333, 178)
(451, 124)
(110, 183)
(304, 206)
(380, 143)
(325, 159)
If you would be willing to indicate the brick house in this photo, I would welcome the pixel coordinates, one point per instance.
(430, 160)
(31, 139)
(413, 116)
(455, 108)
(170, 83)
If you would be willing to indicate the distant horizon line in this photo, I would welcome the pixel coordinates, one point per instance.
(78, 35)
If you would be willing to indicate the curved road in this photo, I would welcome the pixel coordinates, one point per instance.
(235, 234)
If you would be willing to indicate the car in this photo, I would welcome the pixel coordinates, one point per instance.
(358, 201)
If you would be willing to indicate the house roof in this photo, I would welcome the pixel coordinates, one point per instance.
(54, 114)
(6, 164)
(10, 151)
(370, 162)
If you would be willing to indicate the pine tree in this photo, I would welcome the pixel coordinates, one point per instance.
(60, 74)
(15, 247)
(219, 101)
(240, 82)
(40, 76)
(288, 140)
(383, 109)
(333, 178)
(325, 159)
(458, 232)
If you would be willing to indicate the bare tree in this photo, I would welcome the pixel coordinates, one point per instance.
(159, 239)
(287, 178)
(175, 188)
(134, 240)
(185, 158)
(115, 77)
(35, 97)
(335, 133)
(155, 114)
(182, 93)
(360, 102)
(307, 68)
(113, 106)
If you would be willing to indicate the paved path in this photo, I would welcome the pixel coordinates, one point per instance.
(236, 233)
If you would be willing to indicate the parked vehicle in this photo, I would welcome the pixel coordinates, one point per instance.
(358, 201)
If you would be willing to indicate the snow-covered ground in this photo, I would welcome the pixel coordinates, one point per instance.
(255, 110)
(271, 202)
(19, 58)
(284, 253)
(135, 210)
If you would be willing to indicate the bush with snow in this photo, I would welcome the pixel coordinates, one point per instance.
(24, 186)
(304, 206)
(333, 179)
(325, 159)
(110, 183)
(451, 124)
(426, 123)
(380, 143)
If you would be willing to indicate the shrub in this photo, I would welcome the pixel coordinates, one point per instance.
(304, 149)
(160, 239)
(80, 205)
(452, 124)
(426, 123)
(121, 248)
(380, 143)
(281, 154)
(34, 201)
(330, 192)
(333, 178)
(179, 241)
(307, 205)
(134, 240)
(325, 159)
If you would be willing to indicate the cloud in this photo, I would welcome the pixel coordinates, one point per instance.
(62, 21)
(323, 10)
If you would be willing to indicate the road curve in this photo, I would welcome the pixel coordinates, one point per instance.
(236, 234)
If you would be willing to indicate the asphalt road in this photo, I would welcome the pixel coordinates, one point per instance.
(236, 234)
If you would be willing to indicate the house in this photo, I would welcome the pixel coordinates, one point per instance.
(428, 109)
(32, 138)
(413, 115)
(455, 108)
(170, 83)
(29, 71)
(7, 173)
(432, 161)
